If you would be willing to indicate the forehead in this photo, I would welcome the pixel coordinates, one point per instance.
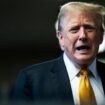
(80, 18)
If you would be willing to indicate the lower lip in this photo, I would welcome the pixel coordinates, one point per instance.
(84, 51)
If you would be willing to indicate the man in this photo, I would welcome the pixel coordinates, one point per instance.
(80, 29)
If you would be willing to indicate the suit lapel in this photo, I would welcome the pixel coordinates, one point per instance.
(101, 72)
(62, 80)
(62, 83)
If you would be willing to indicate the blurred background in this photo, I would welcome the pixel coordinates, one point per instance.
(27, 36)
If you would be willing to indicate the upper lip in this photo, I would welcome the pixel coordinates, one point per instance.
(81, 47)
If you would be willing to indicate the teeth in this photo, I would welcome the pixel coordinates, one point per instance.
(83, 48)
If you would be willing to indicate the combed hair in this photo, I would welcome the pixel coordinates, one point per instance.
(70, 7)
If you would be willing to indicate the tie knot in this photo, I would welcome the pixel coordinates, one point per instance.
(84, 72)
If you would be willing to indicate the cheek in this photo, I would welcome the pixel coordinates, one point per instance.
(95, 38)
(69, 43)
(97, 41)
(98, 36)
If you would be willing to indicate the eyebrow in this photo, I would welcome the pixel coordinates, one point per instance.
(89, 25)
(85, 24)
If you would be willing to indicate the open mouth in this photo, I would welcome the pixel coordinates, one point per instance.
(83, 47)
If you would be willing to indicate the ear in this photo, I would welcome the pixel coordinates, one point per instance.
(60, 38)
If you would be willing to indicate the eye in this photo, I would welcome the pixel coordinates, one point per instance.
(89, 28)
(74, 29)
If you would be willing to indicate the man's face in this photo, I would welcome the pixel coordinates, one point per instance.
(80, 37)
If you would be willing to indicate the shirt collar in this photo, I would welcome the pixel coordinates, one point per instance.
(74, 70)
(71, 69)
(92, 68)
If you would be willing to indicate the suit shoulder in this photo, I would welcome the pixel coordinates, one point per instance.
(100, 66)
(101, 63)
(41, 67)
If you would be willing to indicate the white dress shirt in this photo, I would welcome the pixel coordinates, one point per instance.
(74, 81)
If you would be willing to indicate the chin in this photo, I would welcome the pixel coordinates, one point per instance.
(84, 60)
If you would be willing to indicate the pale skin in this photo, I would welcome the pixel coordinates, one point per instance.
(80, 37)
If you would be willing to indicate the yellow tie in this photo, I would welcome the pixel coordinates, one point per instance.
(86, 93)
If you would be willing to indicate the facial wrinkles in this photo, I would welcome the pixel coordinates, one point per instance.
(73, 45)
(82, 24)
(79, 20)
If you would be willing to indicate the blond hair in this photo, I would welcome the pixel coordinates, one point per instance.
(70, 7)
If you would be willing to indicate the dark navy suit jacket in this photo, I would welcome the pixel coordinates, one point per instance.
(48, 81)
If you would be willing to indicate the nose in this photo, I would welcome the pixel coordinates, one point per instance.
(82, 34)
